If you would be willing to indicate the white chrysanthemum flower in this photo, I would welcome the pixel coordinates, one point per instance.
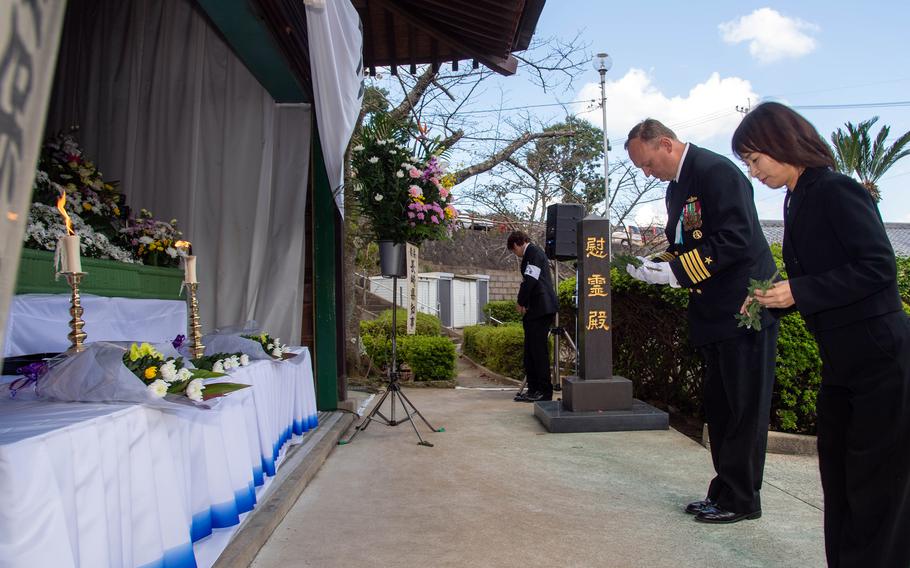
(171, 252)
(406, 165)
(158, 388)
(378, 197)
(244, 360)
(399, 174)
(184, 374)
(227, 364)
(194, 390)
(373, 160)
(358, 148)
(218, 367)
(168, 371)
(276, 352)
(235, 361)
(381, 142)
(146, 240)
(270, 346)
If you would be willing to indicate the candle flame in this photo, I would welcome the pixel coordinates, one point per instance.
(69, 224)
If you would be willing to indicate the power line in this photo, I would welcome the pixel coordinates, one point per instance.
(853, 105)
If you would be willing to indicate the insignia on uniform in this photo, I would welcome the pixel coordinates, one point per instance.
(708, 260)
(696, 234)
(695, 268)
(691, 215)
(691, 199)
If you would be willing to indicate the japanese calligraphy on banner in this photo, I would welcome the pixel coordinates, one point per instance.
(412, 251)
(29, 38)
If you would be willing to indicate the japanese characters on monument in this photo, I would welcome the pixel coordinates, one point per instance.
(29, 37)
(412, 252)
(594, 305)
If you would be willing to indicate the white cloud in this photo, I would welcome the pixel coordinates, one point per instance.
(707, 111)
(771, 35)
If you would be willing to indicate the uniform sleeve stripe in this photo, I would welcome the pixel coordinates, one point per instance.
(701, 265)
(692, 274)
(694, 261)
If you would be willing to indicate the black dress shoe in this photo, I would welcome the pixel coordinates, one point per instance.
(697, 507)
(537, 396)
(716, 515)
(520, 397)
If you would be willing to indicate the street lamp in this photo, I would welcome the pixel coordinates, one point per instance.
(602, 63)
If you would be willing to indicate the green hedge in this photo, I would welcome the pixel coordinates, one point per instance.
(430, 356)
(499, 348)
(502, 310)
(651, 347)
(382, 325)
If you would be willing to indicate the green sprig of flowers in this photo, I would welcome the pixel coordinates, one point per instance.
(752, 318)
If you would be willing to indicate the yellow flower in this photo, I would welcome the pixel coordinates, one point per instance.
(151, 372)
(447, 181)
(262, 337)
(71, 187)
(134, 352)
(116, 211)
(87, 206)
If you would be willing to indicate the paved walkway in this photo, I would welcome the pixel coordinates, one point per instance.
(497, 490)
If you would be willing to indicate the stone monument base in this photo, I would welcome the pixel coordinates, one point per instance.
(640, 416)
(580, 395)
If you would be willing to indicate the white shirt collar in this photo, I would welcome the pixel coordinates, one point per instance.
(682, 160)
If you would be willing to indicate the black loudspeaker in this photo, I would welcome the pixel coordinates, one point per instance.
(562, 220)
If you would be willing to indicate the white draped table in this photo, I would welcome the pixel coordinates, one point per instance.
(39, 323)
(93, 485)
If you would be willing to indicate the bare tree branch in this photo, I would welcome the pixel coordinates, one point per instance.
(505, 153)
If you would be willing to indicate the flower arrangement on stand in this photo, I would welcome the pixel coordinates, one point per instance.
(222, 362)
(168, 375)
(406, 198)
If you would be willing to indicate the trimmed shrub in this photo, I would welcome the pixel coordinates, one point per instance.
(502, 310)
(430, 358)
(382, 326)
(903, 278)
(500, 349)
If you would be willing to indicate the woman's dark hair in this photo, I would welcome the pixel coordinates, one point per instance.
(517, 238)
(783, 134)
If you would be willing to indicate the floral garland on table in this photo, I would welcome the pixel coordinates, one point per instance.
(106, 226)
(167, 375)
(271, 346)
(222, 362)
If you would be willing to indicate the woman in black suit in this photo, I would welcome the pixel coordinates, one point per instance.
(843, 281)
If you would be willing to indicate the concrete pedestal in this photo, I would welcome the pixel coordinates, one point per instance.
(640, 416)
(580, 395)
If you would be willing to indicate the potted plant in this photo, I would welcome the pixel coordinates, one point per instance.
(401, 188)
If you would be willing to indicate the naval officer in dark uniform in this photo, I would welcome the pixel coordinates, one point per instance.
(537, 304)
(716, 246)
(843, 280)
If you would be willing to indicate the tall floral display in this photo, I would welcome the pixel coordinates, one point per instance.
(401, 184)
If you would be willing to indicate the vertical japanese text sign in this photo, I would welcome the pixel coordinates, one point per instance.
(412, 251)
(595, 319)
(29, 37)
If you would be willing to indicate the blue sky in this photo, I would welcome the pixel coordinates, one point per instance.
(691, 64)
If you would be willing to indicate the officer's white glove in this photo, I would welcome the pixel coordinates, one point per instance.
(653, 272)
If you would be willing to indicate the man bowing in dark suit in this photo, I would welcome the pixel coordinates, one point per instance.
(716, 246)
(537, 304)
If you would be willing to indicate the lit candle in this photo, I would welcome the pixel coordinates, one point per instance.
(189, 270)
(71, 259)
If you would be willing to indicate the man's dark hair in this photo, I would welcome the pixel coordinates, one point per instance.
(649, 129)
(517, 238)
(782, 133)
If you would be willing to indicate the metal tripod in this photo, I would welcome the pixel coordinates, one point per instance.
(393, 388)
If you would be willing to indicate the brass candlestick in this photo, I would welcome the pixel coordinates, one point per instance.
(197, 349)
(76, 335)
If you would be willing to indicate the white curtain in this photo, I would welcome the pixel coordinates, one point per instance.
(29, 35)
(167, 108)
(336, 60)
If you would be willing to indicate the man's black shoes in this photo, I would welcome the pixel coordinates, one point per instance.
(714, 514)
(533, 397)
(697, 507)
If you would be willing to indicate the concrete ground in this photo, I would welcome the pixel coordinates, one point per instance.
(497, 490)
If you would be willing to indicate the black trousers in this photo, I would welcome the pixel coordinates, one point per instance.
(537, 353)
(737, 396)
(864, 442)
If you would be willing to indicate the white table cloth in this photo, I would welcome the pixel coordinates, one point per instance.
(39, 323)
(92, 485)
